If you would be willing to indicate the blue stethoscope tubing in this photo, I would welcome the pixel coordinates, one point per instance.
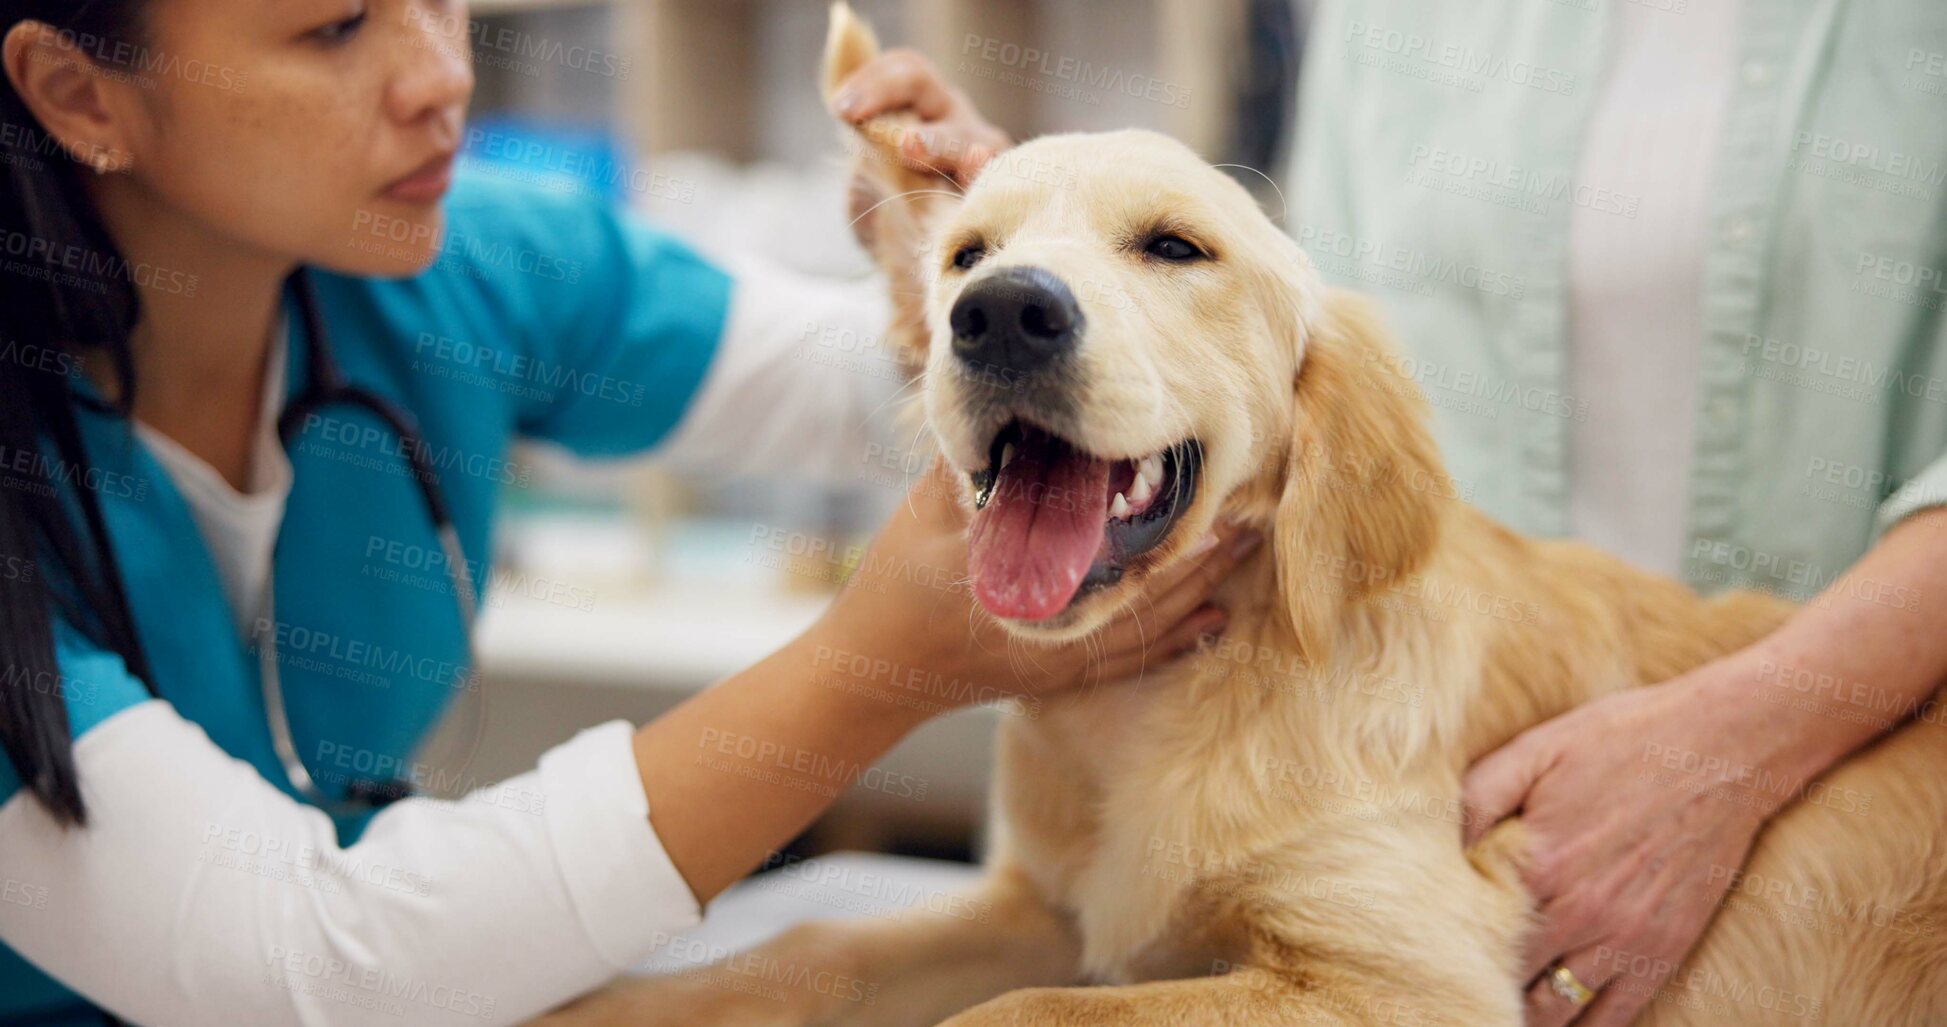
(326, 386)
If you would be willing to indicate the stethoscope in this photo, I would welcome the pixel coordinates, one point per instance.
(327, 386)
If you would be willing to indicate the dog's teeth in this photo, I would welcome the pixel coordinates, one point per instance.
(1007, 453)
(983, 486)
(1141, 490)
(1151, 468)
(1118, 507)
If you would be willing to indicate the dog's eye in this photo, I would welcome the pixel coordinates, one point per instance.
(969, 255)
(1171, 247)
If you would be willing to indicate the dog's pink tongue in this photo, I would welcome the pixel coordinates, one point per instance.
(1040, 530)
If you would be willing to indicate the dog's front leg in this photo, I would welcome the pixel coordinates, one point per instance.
(859, 973)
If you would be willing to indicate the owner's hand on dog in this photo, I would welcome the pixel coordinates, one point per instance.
(951, 137)
(909, 604)
(1639, 810)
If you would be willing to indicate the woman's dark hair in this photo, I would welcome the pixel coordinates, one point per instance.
(54, 550)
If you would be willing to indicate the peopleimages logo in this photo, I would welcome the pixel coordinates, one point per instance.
(40, 472)
(591, 168)
(333, 976)
(1537, 183)
(1870, 156)
(371, 446)
(1874, 378)
(1901, 272)
(128, 61)
(1418, 268)
(378, 664)
(521, 45)
(1460, 60)
(1018, 58)
(92, 265)
(507, 370)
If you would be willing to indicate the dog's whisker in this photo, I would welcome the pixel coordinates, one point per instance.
(898, 396)
(906, 467)
(899, 196)
(1283, 207)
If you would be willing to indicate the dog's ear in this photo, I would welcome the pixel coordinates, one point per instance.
(893, 204)
(849, 44)
(1364, 488)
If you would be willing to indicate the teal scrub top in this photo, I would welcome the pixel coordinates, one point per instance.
(546, 316)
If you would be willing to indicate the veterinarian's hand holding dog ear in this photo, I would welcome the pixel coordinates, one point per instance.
(952, 139)
(1640, 807)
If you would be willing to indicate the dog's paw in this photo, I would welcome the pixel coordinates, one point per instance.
(682, 1000)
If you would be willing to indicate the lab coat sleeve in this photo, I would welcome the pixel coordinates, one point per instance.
(637, 343)
(804, 383)
(198, 891)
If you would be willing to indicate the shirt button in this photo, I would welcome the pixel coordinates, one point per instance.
(1756, 73)
(1721, 413)
(1739, 231)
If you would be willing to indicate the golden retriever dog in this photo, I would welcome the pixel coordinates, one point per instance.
(1118, 348)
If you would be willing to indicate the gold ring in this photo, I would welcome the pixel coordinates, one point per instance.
(1562, 981)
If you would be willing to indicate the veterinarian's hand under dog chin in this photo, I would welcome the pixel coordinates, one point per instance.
(909, 603)
(1639, 810)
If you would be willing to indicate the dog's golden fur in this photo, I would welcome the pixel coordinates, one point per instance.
(1270, 833)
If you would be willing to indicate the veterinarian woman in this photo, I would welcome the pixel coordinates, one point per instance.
(1671, 272)
(234, 286)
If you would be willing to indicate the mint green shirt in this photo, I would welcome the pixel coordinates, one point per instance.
(1436, 164)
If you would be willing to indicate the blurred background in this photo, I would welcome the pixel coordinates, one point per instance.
(619, 590)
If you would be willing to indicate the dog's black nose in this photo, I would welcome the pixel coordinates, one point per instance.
(1020, 319)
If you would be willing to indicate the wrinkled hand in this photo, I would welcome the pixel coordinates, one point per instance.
(1640, 809)
(909, 602)
(952, 138)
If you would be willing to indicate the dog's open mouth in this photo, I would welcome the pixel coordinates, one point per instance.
(1052, 522)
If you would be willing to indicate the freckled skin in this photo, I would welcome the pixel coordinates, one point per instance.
(258, 131)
